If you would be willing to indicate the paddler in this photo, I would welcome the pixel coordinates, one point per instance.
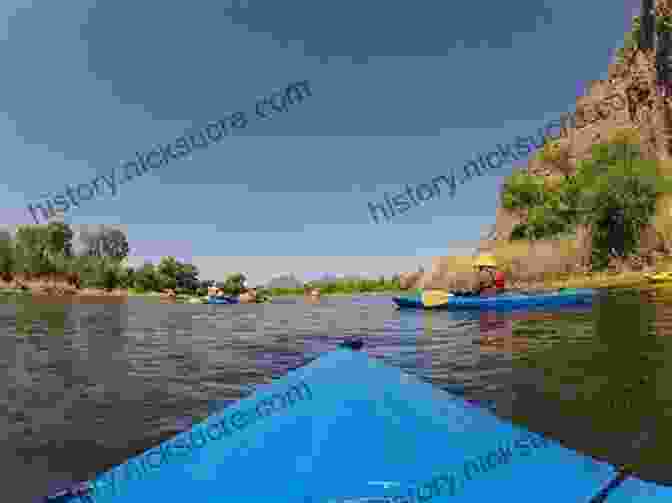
(491, 281)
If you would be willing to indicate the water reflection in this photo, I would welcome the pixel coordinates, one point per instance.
(111, 380)
(599, 377)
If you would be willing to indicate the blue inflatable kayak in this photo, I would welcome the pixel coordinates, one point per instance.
(222, 300)
(507, 300)
(347, 427)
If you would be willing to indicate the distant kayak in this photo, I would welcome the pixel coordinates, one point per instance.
(509, 300)
(222, 300)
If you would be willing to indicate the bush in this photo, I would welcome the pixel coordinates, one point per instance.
(146, 278)
(663, 24)
(521, 231)
(522, 190)
(614, 192)
(622, 203)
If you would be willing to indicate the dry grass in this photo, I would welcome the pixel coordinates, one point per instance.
(552, 151)
(552, 182)
(664, 168)
(597, 280)
(454, 263)
(552, 259)
(662, 219)
(627, 135)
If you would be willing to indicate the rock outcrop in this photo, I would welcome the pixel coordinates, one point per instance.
(630, 100)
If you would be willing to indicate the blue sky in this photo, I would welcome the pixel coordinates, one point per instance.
(400, 93)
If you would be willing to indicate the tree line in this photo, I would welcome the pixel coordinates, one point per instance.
(41, 252)
(345, 286)
(38, 252)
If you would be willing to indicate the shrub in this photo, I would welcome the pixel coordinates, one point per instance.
(663, 24)
(522, 190)
(614, 193)
(146, 278)
(622, 202)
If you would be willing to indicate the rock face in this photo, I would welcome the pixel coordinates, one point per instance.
(630, 99)
(410, 280)
(248, 297)
(168, 294)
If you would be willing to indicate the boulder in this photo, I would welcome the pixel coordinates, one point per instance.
(247, 297)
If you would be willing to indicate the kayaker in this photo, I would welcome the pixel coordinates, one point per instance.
(491, 281)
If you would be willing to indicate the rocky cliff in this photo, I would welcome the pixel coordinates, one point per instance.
(646, 112)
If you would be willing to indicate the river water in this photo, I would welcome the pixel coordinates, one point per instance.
(85, 386)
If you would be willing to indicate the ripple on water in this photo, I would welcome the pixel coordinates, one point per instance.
(125, 375)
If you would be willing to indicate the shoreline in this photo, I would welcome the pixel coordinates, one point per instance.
(586, 280)
(592, 280)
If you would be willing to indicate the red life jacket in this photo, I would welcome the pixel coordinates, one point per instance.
(500, 280)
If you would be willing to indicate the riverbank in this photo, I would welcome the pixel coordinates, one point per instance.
(62, 289)
(586, 280)
(341, 294)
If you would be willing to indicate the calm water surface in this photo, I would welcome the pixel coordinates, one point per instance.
(85, 386)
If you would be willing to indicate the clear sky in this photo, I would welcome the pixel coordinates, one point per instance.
(401, 91)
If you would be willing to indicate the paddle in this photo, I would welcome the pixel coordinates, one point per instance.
(434, 298)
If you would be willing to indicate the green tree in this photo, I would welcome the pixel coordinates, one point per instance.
(126, 277)
(234, 284)
(663, 24)
(32, 245)
(167, 271)
(522, 190)
(7, 256)
(59, 239)
(147, 278)
(89, 269)
(168, 266)
(109, 273)
(621, 203)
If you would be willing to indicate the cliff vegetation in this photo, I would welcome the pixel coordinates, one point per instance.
(597, 201)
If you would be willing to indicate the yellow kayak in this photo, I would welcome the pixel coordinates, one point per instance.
(661, 277)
